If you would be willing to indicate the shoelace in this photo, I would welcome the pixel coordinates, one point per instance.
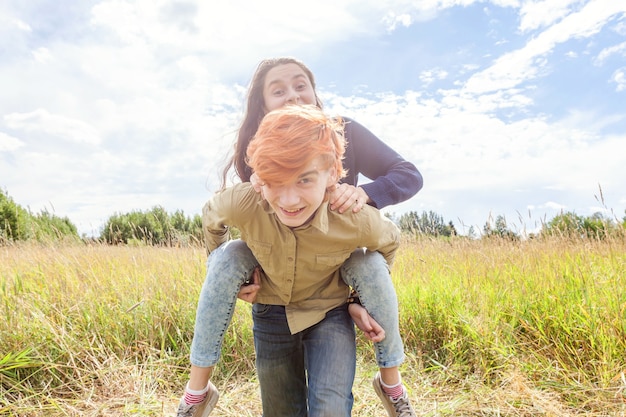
(403, 407)
(187, 410)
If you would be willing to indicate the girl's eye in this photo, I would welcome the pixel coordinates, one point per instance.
(301, 87)
(277, 92)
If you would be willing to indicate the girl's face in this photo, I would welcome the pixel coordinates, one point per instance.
(287, 84)
(295, 202)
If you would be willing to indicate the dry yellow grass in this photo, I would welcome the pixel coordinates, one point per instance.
(492, 328)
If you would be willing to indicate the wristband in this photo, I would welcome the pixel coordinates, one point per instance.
(353, 298)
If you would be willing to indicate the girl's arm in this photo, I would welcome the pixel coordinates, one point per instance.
(394, 179)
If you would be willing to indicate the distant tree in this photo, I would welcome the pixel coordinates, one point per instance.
(133, 226)
(499, 228)
(598, 226)
(185, 230)
(573, 225)
(53, 227)
(162, 229)
(428, 223)
(409, 222)
(15, 222)
(18, 224)
(152, 227)
(565, 224)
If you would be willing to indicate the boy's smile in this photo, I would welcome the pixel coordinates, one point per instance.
(296, 201)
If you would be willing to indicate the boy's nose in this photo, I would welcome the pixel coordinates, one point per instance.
(289, 198)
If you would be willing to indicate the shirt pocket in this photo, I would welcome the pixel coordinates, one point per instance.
(262, 251)
(333, 260)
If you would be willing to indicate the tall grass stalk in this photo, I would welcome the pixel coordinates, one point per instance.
(491, 327)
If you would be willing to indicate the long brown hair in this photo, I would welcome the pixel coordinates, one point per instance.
(255, 110)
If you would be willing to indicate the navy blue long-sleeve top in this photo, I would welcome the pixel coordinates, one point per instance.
(394, 179)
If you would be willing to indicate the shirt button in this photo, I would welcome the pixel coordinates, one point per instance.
(290, 259)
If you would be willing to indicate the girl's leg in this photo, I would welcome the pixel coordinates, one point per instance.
(228, 267)
(330, 355)
(368, 273)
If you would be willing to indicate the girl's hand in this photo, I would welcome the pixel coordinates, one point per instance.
(248, 292)
(344, 196)
(372, 330)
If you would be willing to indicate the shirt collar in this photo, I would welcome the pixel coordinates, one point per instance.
(320, 218)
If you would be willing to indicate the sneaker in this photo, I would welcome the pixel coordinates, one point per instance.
(395, 408)
(199, 410)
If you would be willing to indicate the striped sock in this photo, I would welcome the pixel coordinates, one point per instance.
(394, 391)
(193, 397)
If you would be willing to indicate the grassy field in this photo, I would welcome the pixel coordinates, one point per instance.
(492, 328)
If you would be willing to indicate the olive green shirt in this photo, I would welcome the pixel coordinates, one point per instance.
(300, 265)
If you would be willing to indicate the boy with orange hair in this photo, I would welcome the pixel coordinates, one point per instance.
(303, 329)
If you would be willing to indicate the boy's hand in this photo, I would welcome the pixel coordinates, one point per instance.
(248, 292)
(372, 330)
(344, 196)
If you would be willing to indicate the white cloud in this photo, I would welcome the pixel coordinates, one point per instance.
(8, 21)
(58, 126)
(554, 206)
(620, 27)
(392, 21)
(42, 55)
(9, 143)
(430, 76)
(525, 64)
(619, 78)
(619, 49)
(542, 13)
(251, 29)
(464, 152)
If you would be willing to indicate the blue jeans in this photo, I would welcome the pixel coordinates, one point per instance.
(314, 367)
(230, 265)
(368, 273)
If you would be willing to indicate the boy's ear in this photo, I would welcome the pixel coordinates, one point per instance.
(332, 178)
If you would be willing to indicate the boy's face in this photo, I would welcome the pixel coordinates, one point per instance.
(295, 202)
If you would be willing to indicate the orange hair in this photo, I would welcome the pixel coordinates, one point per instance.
(289, 138)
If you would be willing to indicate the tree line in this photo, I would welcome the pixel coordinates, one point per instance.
(158, 227)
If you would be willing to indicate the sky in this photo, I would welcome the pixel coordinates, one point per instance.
(512, 108)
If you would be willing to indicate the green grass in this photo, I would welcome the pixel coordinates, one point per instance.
(491, 328)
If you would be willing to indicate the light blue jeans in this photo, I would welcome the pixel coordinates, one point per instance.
(231, 264)
(307, 374)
